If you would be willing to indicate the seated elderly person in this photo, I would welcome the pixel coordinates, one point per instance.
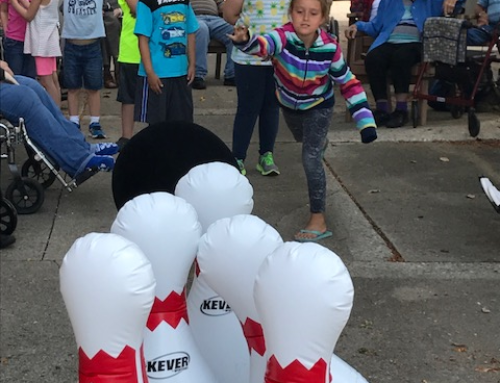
(487, 13)
(56, 136)
(397, 29)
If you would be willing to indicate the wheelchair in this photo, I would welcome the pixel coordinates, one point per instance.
(26, 192)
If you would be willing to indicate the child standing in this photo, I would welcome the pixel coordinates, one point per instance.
(42, 41)
(14, 28)
(305, 60)
(166, 32)
(129, 58)
(83, 29)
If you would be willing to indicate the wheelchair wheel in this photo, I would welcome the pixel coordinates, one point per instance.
(26, 195)
(8, 217)
(474, 123)
(456, 111)
(415, 113)
(39, 171)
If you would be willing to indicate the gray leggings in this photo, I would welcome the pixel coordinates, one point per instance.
(310, 128)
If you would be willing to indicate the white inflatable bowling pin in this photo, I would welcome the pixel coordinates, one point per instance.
(217, 190)
(108, 285)
(167, 230)
(229, 256)
(303, 294)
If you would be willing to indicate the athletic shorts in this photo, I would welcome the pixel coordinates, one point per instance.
(174, 103)
(127, 86)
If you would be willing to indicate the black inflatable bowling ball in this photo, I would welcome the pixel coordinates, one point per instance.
(157, 157)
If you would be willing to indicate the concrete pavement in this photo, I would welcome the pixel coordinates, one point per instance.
(409, 219)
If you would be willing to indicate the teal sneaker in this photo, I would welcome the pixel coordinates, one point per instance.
(241, 166)
(266, 165)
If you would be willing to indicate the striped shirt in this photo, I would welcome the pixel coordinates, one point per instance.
(406, 31)
(42, 34)
(492, 9)
(304, 75)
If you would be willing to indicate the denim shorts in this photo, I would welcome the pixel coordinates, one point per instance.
(82, 66)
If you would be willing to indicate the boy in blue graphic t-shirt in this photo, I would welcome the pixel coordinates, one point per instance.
(166, 31)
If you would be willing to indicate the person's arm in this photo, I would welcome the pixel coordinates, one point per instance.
(355, 97)
(231, 10)
(191, 51)
(481, 15)
(153, 80)
(28, 14)
(132, 4)
(4, 15)
(265, 45)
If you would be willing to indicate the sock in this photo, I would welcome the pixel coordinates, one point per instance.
(94, 119)
(402, 105)
(75, 119)
(382, 105)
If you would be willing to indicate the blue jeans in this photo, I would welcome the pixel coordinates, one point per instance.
(255, 88)
(480, 35)
(83, 66)
(212, 27)
(20, 63)
(56, 136)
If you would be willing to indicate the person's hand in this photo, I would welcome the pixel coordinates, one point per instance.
(448, 7)
(482, 18)
(368, 134)
(190, 74)
(5, 67)
(240, 34)
(155, 83)
(351, 31)
(117, 12)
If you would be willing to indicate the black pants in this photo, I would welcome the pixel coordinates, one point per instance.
(395, 60)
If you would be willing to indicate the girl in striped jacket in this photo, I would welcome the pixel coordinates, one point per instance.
(306, 59)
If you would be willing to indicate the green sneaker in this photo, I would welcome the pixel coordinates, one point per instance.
(266, 165)
(241, 165)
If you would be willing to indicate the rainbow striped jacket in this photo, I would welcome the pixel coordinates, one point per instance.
(304, 76)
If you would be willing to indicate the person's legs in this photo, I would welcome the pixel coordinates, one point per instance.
(126, 96)
(479, 35)
(219, 29)
(269, 112)
(202, 40)
(93, 82)
(45, 123)
(314, 125)
(46, 69)
(20, 63)
(377, 63)
(73, 77)
(403, 59)
(250, 88)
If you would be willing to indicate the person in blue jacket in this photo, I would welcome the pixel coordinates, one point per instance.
(397, 30)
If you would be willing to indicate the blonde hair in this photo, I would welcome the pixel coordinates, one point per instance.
(325, 7)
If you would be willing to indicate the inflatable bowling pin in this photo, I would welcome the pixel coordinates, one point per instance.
(217, 190)
(229, 257)
(303, 294)
(108, 285)
(167, 230)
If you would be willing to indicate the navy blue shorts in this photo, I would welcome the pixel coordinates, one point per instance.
(82, 66)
